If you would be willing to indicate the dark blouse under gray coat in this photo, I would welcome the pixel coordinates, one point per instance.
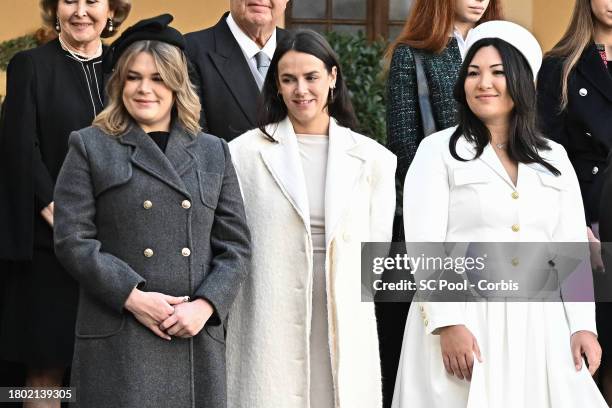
(404, 128)
(102, 229)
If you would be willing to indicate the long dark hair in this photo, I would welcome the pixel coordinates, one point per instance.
(272, 108)
(524, 138)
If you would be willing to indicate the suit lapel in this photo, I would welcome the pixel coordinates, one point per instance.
(593, 70)
(345, 162)
(148, 157)
(284, 163)
(229, 61)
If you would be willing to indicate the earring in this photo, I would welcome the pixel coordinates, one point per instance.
(332, 93)
(57, 24)
(110, 26)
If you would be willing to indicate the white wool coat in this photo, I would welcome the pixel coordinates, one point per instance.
(268, 331)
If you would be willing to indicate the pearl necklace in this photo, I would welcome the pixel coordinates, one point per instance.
(76, 56)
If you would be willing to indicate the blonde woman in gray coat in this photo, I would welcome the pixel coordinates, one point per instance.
(150, 221)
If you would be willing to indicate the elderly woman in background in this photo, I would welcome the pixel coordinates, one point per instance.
(299, 335)
(51, 91)
(150, 222)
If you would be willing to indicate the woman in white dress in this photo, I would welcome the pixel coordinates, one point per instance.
(494, 178)
(298, 335)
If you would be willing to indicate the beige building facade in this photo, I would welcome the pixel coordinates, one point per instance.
(546, 18)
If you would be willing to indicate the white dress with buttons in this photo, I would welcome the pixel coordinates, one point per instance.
(525, 347)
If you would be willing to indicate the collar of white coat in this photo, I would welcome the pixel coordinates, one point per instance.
(346, 156)
(467, 150)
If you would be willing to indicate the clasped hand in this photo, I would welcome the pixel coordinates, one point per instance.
(168, 315)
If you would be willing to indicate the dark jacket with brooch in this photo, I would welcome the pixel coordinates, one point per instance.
(128, 215)
(584, 128)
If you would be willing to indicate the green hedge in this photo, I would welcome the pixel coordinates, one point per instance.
(12, 47)
(362, 66)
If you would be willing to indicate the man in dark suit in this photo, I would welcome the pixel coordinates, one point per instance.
(231, 60)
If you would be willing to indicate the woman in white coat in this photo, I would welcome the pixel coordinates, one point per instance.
(494, 178)
(298, 335)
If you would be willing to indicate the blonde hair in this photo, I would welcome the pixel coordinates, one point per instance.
(121, 10)
(172, 66)
(577, 37)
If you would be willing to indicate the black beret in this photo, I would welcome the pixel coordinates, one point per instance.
(151, 29)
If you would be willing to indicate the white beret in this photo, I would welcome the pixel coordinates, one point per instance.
(512, 33)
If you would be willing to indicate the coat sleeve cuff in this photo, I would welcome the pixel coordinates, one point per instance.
(216, 301)
(581, 316)
(438, 315)
(115, 294)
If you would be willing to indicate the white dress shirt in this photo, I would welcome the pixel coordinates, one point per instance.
(461, 42)
(250, 48)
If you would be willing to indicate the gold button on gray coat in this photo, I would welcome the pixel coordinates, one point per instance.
(186, 204)
(185, 252)
(148, 252)
(147, 205)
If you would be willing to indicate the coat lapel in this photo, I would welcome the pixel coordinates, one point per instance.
(345, 162)
(147, 156)
(177, 151)
(229, 61)
(593, 70)
(284, 163)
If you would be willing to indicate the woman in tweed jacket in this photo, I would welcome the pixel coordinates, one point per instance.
(441, 48)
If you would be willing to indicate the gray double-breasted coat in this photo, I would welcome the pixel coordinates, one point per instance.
(127, 215)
